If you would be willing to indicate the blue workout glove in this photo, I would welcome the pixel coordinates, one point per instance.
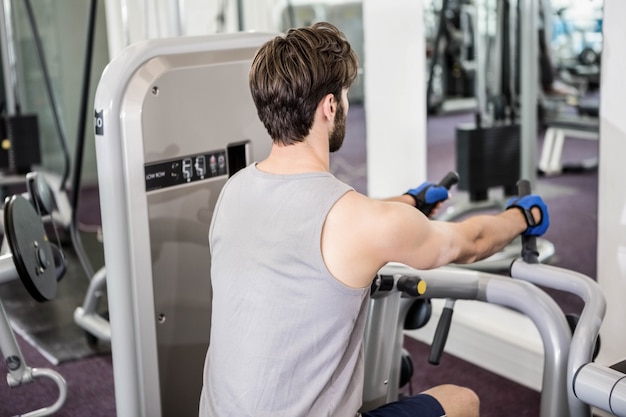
(427, 195)
(526, 203)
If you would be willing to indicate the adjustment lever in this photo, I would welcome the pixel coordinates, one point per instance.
(441, 333)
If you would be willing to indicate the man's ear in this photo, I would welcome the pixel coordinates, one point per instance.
(329, 106)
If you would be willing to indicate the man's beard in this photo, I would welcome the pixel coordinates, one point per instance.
(338, 133)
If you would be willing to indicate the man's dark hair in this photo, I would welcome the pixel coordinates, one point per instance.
(292, 73)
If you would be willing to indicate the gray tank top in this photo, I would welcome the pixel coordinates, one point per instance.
(286, 336)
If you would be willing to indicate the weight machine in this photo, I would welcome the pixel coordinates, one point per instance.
(571, 381)
(28, 255)
(174, 119)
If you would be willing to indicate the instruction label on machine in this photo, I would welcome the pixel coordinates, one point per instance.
(185, 170)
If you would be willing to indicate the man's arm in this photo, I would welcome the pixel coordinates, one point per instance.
(361, 235)
(425, 244)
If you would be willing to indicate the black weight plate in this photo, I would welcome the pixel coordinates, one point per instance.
(42, 194)
(32, 254)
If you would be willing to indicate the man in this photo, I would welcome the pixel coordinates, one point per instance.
(294, 251)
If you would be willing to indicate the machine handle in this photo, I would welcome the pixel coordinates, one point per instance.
(530, 253)
(411, 285)
(441, 334)
(448, 181)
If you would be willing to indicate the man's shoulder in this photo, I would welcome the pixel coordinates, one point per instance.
(354, 207)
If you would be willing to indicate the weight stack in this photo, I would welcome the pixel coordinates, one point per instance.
(20, 147)
(487, 157)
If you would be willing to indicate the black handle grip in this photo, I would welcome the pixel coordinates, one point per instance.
(530, 253)
(523, 188)
(441, 334)
(448, 181)
(411, 285)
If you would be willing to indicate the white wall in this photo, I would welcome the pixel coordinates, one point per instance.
(612, 183)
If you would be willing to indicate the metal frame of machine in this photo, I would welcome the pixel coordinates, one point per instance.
(172, 118)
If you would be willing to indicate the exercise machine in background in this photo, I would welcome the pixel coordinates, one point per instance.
(573, 53)
(28, 255)
(494, 150)
(20, 151)
(450, 55)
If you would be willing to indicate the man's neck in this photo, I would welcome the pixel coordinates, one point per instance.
(310, 155)
(295, 159)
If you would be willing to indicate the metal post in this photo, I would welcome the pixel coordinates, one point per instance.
(528, 86)
(11, 350)
(240, 16)
(480, 53)
(8, 57)
(7, 267)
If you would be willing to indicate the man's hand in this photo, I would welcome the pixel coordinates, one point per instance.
(428, 196)
(531, 205)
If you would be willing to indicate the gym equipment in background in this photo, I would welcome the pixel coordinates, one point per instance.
(574, 114)
(174, 119)
(493, 151)
(560, 127)
(21, 148)
(577, 43)
(39, 265)
(451, 60)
